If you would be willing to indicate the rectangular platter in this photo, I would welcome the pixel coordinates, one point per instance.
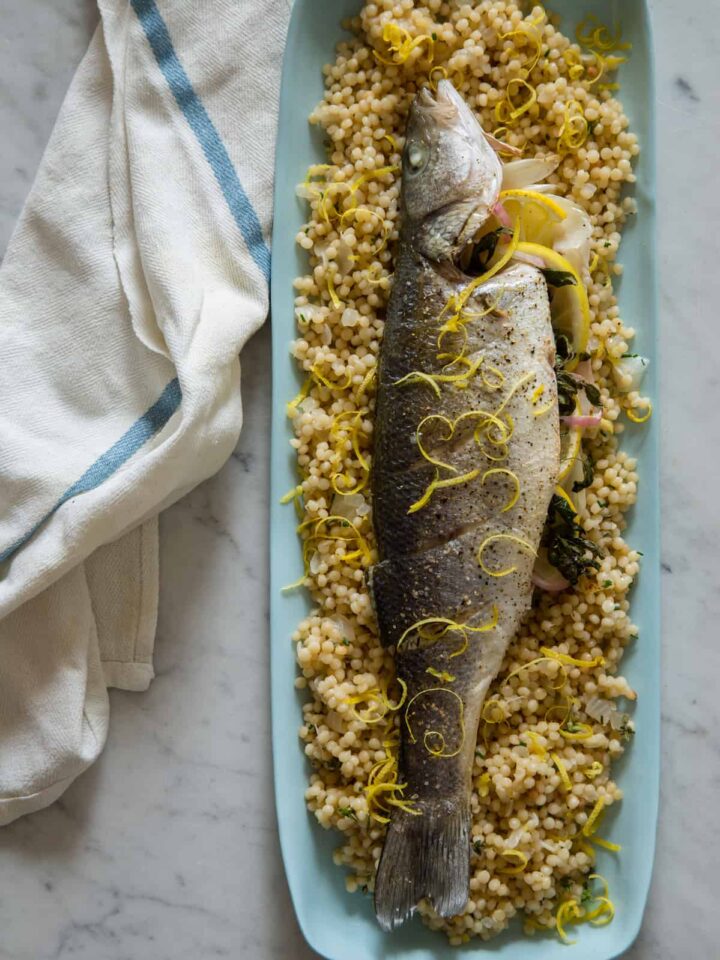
(338, 925)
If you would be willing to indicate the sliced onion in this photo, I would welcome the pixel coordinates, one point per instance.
(531, 259)
(344, 626)
(502, 215)
(632, 367)
(583, 421)
(520, 174)
(600, 709)
(347, 505)
(547, 577)
(306, 191)
(584, 371)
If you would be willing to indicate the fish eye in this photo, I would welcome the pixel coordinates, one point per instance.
(417, 156)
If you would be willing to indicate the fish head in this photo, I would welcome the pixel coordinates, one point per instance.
(451, 177)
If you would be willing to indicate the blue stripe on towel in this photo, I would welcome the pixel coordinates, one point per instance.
(204, 129)
(150, 423)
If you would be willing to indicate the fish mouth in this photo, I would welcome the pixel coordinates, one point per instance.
(442, 105)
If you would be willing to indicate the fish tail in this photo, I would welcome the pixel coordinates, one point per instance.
(426, 855)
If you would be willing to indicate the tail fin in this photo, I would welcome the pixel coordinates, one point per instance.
(426, 855)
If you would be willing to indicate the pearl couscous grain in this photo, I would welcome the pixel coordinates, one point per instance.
(550, 729)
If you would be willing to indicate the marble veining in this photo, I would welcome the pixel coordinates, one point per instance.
(167, 848)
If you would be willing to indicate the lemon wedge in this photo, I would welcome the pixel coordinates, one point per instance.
(571, 310)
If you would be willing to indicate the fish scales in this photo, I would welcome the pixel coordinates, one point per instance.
(497, 428)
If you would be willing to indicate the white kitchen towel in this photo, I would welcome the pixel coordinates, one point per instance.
(138, 269)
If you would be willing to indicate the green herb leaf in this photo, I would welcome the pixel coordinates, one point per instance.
(478, 845)
(434, 36)
(347, 812)
(559, 278)
(562, 510)
(567, 547)
(592, 393)
(567, 392)
(607, 583)
(483, 251)
(346, 642)
(563, 349)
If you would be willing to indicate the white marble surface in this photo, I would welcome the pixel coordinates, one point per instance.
(167, 847)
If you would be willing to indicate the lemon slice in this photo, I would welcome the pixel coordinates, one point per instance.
(571, 310)
(570, 445)
(532, 196)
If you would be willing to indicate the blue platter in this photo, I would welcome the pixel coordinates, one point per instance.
(341, 926)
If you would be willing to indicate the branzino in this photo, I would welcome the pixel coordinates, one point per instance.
(453, 579)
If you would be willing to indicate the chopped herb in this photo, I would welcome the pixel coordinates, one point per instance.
(434, 36)
(567, 547)
(566, 883)
(347, 812)
(640, 553)
(479, 753)
(587, 477)
(586, 894)
(627, 356)
(346, 642)
(627, 728)
(311, 727)
(607, 583)
(608, 243)
(522, 743)
(602, 503)
(559, 278)
(478, 845)
(591, 124)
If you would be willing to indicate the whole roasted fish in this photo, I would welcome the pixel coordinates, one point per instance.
(466, 458)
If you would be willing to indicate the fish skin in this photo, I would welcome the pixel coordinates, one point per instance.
(428, 564)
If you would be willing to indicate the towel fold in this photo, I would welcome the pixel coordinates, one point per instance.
(138, 269)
